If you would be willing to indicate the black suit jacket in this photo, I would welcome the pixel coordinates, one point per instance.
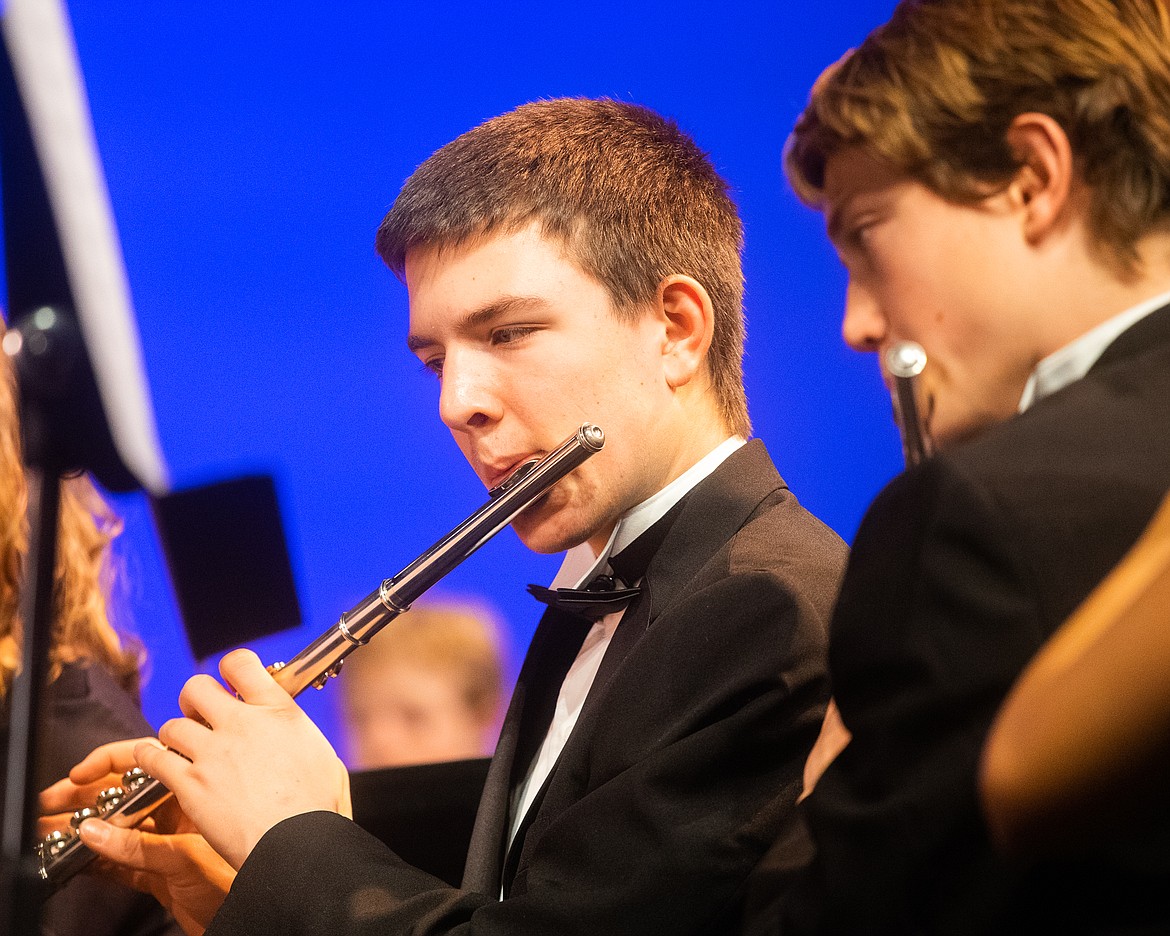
(683, 766)
(960, 570)
(425, 812)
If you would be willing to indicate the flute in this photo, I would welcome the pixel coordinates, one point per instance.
(62, 854)
(904, 362)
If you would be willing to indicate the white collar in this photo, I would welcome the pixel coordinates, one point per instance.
(1073, 361)
(581, 564)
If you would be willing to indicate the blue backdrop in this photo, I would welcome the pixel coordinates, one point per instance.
(251, 150)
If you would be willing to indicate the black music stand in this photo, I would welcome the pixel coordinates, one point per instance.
(85, 405)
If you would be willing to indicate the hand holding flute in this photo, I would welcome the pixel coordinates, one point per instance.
(241, 763)
(247, 762)
(253, 761)
(165, 856)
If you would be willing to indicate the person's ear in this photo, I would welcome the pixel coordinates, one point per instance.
(689, 320)
(1041, 189)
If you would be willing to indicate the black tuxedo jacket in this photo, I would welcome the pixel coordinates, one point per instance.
(960, 570)
(683, 767)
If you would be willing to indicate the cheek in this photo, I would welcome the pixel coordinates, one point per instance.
(916, 288)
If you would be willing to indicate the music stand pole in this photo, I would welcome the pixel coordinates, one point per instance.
(40, 364)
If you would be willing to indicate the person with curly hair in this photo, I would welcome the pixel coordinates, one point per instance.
(92, 696)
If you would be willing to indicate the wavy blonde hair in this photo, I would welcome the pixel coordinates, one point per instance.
(82, 629)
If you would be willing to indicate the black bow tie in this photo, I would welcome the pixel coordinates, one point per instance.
(600, 597)
(605, 594)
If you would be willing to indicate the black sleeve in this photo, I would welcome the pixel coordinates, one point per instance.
(938, 614)
(697, 766)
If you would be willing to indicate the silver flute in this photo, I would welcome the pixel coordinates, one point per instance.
(62, 853)
(904, 362)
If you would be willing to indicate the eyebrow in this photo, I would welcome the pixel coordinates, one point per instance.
(482, 316)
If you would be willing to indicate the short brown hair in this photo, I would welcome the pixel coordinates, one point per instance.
(935, 90)
(626, 192)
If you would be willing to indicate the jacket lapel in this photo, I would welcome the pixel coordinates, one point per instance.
(706, 519)
(554, 646)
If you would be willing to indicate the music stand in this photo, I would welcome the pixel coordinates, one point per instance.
(85, 405)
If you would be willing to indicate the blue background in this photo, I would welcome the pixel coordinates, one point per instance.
(251, 150)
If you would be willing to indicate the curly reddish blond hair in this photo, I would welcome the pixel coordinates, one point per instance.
(82, 628)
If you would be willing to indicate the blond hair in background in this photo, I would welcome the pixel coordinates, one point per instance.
(428, 688)
(81, 628)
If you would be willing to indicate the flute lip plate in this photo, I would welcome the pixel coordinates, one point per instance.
(589, 435)
(521, 472)
(905, 359)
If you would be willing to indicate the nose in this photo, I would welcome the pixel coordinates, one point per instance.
(864, 326)
(468, 398)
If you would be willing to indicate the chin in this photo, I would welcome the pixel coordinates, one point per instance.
(549, 531)
(542, 539)
(948, 435)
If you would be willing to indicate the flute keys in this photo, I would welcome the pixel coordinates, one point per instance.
(51, 846)
(88, 812)
(109, 799)
(52, 843)
(133, 778)
(331, 673)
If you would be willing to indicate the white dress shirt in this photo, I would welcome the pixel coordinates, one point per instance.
(1073, 361)
(581, 565)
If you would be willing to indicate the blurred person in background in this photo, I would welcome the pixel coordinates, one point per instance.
(428, 689)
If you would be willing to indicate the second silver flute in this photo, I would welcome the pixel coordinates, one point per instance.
(904, 362)
(62, 854)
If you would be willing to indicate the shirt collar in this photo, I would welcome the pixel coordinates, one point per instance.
(581, 564)
(1073, 361)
